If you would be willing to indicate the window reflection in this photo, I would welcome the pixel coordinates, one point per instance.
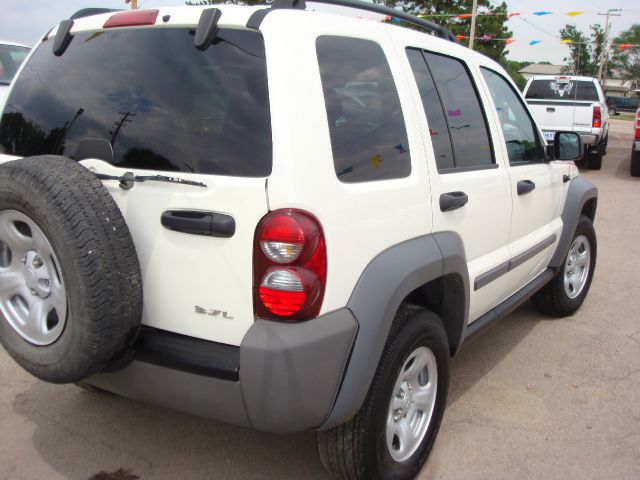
(368, 134)
(160, 102)
(522, 142)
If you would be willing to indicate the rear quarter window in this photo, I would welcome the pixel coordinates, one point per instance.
(368, 134)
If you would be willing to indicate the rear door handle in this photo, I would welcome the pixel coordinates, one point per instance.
(525, 186)
(211, 224)
(551, 109)
(452, 201)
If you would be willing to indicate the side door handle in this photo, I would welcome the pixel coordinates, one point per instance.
(452, 201)
(525, 186)
(551, 109)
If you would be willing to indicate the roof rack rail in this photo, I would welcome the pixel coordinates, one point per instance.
(87, 12)
(437, 30)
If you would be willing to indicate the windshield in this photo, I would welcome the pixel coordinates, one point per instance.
(11, 57)
(158, 100)
(562, 89)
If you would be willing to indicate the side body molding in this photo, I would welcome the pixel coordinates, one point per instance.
(384, 284)
(580, 192)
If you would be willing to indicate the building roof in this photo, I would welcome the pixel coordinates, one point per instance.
(541, 69)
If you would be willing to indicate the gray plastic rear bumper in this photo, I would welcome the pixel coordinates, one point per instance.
(288, 376)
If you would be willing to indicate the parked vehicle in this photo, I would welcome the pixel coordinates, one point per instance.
(622, 104)
(571, 103)
(11, 56)
(635, 147)
(281, 219)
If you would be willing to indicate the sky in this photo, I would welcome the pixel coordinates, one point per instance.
(25, 21)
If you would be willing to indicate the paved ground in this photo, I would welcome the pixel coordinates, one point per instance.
(534, 398)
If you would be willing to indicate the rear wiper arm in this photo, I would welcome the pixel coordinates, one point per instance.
(128, 179)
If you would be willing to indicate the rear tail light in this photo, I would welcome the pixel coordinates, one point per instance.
(290, 266)
(132, 18)
(597, 117)
(637, 134)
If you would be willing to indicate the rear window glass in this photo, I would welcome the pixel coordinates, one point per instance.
(367, 129)
(552, 89)
(10, 59)
(161, 103)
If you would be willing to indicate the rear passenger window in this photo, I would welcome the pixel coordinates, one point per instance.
(367, 129)
(438, 129)
(449, 98)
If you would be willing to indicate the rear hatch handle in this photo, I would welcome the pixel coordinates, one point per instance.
(212, 224)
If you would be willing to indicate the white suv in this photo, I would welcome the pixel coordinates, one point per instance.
(571, 103)
(278, 218)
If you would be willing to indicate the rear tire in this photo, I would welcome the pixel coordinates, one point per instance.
(566, 292)
(393, 432)
(613, 111)
(635, 164)
(594, 158)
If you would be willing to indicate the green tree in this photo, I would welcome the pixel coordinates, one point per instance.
(579, 61)
(490, 25)
(513, 69)
(627, 62)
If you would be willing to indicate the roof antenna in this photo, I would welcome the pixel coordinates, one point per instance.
(207, 28)
(63, 37)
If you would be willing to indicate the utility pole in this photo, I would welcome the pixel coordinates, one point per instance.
(473, 23)
(603, 48)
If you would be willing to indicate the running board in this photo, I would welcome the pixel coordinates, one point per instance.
(474, 329)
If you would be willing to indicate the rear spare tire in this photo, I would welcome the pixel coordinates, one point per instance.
(70, 282)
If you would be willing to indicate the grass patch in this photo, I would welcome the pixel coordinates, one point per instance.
(625, 116)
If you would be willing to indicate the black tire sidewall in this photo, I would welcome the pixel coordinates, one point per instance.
(423, 329)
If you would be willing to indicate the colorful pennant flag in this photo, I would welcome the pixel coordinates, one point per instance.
(509, 41)
(534, 42)
(542, 13)
(574, 14)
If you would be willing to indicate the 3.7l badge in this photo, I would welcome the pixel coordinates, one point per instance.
(213, 312)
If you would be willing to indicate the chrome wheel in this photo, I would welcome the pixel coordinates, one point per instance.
(576, 267)
(32, 294)
(412, 404)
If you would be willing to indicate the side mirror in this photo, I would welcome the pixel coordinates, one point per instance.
(567, 146)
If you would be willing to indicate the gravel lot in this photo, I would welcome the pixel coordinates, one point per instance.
(533, 398)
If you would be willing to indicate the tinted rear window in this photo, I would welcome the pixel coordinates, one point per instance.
(552, 89)
(162, 103)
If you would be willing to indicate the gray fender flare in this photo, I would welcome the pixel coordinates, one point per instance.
(580, 192)
(383, 285)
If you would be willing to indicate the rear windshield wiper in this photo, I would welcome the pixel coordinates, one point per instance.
(128, 179)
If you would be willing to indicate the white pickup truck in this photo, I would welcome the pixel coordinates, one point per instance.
(571, 103)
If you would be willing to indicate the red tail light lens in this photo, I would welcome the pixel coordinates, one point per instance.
(132, 18)
(637, 134)
(290, 266)
(597, 117)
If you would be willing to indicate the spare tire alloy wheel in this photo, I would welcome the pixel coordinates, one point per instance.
(32, 293)
(70, 281)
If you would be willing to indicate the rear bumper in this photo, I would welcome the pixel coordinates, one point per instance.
(282, 378)
(588, 139)
(636, 146)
